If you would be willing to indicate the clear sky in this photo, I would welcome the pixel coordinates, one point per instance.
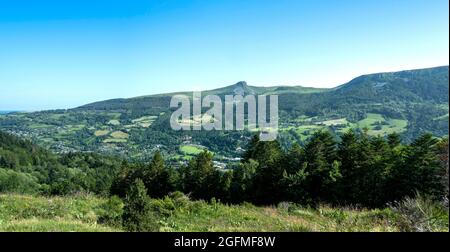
(62, 54)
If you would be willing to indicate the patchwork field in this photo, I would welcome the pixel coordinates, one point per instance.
(190, 149)
(376, 124)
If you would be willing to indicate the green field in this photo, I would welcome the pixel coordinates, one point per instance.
(114, 122)
(190, 149)
(101, 132)
(37, 213)
(85, 213)
(340, 121)
(378, 125)
(145, 121)
(115, 140)
(119, 135)
(443, 117)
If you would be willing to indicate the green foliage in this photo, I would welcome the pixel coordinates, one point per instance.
(30, 168)
(158, 179)
(18, 182)
(359, 170)
(63, 214)
(111, 212)
(266, 186)
(421, 214)
(320, 162)
(197, 176)
(83, 213)
(138, 215)
(243, 181)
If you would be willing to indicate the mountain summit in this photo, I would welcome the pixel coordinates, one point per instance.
(241, 88)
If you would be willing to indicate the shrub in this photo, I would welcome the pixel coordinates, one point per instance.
(138, 215)
(421, 214)
(111, 212)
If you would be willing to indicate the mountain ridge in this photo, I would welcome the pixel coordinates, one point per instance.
(411, 103)
(278, 89)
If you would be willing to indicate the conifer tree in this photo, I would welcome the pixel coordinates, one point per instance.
(158, 179)
(137, 215)
(197, 175)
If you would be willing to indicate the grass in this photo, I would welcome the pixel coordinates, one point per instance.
(443, 117)
(190, 150)
(22, 213)
(304, 131)
(46, 225)
(82, 213)
(115, 140)
(116, 137)
(119, 135)
(75, 127)
(340, 121)
(39, 126)
(36, 213)
(101, 132)
(386, 126)
(145, 121)
(370, 120)
(216, 217)
(114, 122)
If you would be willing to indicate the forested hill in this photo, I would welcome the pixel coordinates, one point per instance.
(28, 168)
(429, 84)
(410, 103)
(15, 152)
(416, 85)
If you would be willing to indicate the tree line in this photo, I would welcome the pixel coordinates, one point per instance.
(28, 168)
(358, 169)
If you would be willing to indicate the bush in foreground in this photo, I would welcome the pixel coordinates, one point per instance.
(138, 215)
(421, 214)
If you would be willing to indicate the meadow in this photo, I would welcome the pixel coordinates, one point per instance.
(87, 213)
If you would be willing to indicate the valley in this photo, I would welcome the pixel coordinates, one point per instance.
(409, 103)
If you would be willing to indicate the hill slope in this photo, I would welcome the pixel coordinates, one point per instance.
(85, 214)
(408, 102)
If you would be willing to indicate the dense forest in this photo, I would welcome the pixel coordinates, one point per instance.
(28, 168)
(362, 171)
(358, 170)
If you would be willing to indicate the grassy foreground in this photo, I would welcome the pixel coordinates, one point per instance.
(87, 213)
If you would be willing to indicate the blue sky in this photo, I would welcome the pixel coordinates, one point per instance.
(62, 54)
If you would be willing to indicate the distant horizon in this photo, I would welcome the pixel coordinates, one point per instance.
(63, 54)
(3, 111)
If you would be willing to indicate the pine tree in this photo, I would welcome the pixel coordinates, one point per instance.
(242, 187)
(138, 216)
(443, 155)
(269, 173)
(197, 174)
(250, 152)
(425, 170)
(158, 179)
(321, 165)
(394, 140)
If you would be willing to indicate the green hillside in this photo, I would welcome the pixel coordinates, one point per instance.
(408, 102)
(21, 213)
(361, 183)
